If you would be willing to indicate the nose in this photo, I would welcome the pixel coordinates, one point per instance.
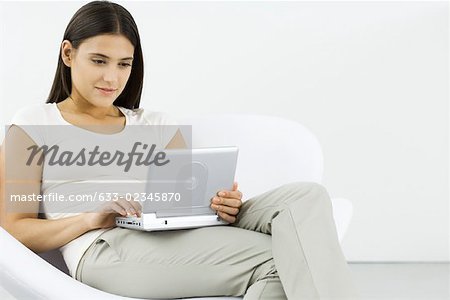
(111, 74)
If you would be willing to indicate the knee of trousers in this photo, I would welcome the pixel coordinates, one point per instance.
(311, 194)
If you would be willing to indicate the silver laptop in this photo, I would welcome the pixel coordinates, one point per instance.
(179, 193)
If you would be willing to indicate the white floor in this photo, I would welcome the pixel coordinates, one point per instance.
(390, 281)
(402, 281)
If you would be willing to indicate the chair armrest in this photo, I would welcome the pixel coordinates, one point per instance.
(342, 213)
(25, 275)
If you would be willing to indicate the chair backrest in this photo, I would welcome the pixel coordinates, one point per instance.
(272, 150)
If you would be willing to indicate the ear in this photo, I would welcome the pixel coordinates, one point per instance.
(67, 52)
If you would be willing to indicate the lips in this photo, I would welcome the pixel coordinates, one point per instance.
(106, 89)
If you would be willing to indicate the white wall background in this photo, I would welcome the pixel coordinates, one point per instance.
(370, 79)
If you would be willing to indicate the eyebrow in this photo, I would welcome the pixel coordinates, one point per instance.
(103, 55)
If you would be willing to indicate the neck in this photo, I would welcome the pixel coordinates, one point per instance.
(92, 110)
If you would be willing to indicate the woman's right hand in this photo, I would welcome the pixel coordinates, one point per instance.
(105, 217)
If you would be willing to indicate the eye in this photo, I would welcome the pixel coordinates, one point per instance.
(125, 65)
(98, 61)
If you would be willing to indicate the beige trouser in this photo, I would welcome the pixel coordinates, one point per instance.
(283, 245)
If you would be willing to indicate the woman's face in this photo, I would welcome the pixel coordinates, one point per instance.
(100, 68)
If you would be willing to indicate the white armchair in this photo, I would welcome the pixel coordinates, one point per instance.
(272, 151)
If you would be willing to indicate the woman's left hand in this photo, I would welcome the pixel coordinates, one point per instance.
(227, 203)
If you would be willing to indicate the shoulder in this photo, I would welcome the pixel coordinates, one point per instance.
(32, 115)
(37, 114)
(148, 117)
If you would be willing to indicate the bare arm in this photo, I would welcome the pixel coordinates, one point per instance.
(177, 142)
(21, 219)
(42, 235)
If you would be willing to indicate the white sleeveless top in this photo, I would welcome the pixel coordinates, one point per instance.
(49, 114)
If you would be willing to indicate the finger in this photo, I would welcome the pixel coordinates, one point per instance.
(226, 209)
(230, 194)
(233, 202)
(113, 207)
(226, 217)
(125, 204)
(234, 188)
(137, 206)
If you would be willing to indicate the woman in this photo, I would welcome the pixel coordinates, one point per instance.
(279, 245)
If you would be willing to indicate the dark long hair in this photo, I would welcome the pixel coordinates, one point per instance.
(96, 18)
